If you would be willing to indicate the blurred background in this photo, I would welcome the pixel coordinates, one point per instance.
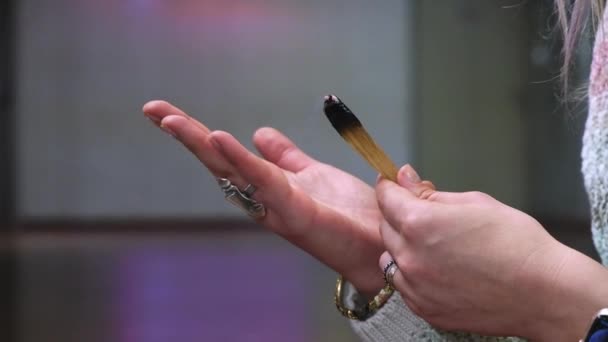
(111, 231)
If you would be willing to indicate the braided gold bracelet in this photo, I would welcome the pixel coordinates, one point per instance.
(366, 311)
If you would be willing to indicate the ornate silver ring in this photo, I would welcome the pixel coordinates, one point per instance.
(242, 198)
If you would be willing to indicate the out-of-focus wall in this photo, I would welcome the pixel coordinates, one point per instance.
(185, 287)
(445, 93)
(489, 115)
(87, 67)
(555, 126)
(472, 69)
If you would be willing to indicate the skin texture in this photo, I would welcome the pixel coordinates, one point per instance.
(325, 211)
(468, 262)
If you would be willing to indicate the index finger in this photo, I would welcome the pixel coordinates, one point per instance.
(157, 110)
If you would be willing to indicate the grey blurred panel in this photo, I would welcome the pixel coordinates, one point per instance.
(7, 112)
(242, 287)
(472, 71)
(8, 286)
(86, 67)
(556, 184)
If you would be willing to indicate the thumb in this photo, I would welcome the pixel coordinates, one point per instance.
(279, 150)
(408, 178)
(393, 200)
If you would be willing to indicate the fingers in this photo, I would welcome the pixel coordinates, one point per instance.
(225, 157)
(402, 206)
(256, 170)
(396, 202)
(411, 217)
(408, 178)
(198, 142)
(459, 197)
(157, 110)
(278, 149)
(273, 186)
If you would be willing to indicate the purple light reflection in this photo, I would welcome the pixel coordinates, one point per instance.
(211, 295)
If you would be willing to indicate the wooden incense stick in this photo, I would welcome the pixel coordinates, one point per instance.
(351, 129)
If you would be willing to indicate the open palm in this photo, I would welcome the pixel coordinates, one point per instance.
(345, 194)
(327, 212)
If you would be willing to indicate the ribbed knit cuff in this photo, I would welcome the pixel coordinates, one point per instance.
(396, 322)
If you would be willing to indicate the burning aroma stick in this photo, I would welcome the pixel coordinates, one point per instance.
(351, 129)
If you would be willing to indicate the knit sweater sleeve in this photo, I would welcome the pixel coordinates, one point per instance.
(396, 322)
(595, 142)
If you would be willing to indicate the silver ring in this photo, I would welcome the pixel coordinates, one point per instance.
(242, 198)
(249, 190)
(389, 272)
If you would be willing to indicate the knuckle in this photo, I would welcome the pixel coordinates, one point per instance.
(415, 222)
(426, 190)
(426, 193)
(433, 196)
(412, 221)
(480, 196)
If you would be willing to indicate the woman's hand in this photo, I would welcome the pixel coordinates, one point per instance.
(327, 212)
(470, 263)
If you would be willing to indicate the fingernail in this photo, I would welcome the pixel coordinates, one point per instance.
(215, 143)
(154, 119)
(168, 130)
(379, 178)
(411, 174)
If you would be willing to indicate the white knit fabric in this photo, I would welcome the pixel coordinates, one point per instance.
(395, 322)
(595, 142)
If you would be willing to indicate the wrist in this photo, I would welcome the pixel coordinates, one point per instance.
(578, 290)
(367, 286)
(365, 276)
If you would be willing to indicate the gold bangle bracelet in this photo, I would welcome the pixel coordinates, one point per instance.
(366, 311)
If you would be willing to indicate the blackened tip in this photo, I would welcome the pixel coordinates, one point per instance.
(340, 116)
(331, 99)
